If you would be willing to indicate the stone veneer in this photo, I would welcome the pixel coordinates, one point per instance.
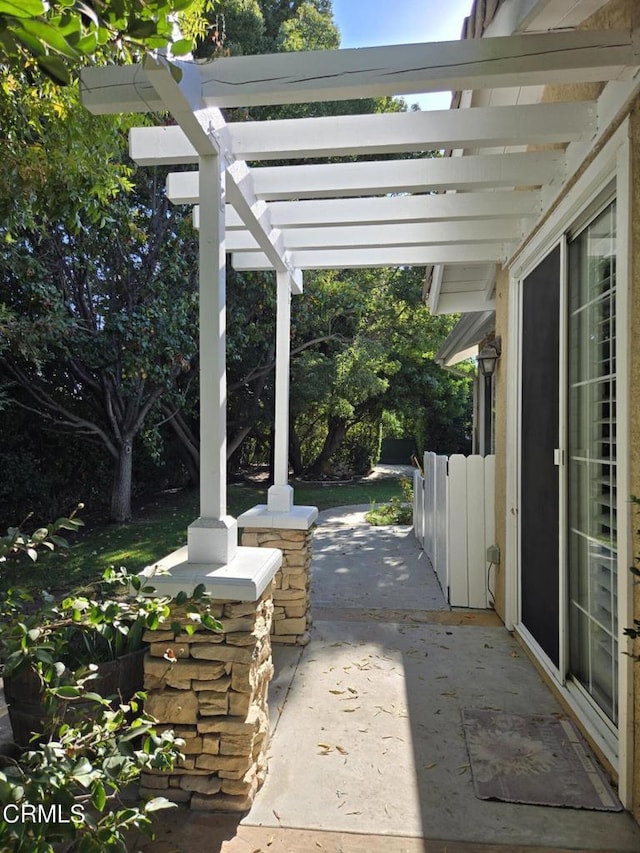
(215, 697)
(292, 583)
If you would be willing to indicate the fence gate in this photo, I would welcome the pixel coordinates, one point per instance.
(454, 523)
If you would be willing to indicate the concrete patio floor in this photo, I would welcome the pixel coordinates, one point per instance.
(368, 752)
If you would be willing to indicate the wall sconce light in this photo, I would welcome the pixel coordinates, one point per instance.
(488, 356)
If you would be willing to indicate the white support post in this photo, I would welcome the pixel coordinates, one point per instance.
(280, 495)
(213, 537)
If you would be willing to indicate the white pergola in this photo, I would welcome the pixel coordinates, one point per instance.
(464, 214)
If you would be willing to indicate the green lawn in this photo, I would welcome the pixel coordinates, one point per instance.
(160, 527)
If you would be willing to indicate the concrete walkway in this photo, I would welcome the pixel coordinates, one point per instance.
(368, 752)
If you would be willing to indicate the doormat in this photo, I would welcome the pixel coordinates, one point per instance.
(534, 759)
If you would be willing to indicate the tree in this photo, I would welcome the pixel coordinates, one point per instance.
(375, 341)
(61, 34)
(98, 275)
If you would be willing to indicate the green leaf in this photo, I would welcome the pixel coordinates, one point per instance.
(199, 591)
(66, 692)
(22, 9)
(8, 43)
(51, 36)
(95, 697)
(182, 597)
(158, 803)
(209, 622)
(40, 534)
(54, 68)
(98, 795)
(181, 47)
(114, 765)
(82, 770)
(68, 524)
(141, 29)
(87, 44)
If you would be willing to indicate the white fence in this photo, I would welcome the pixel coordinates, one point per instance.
(453, 517)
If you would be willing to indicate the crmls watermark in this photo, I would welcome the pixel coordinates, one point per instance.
(31, 813)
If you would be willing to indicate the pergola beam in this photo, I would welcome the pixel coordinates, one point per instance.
(443, 207)
(418, 208)
(391, 256)
(380, 133)
(389, 234)
(530, 169)
(286, 78)
(331, 180)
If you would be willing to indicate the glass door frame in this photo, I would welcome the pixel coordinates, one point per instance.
(608, 727)
(610, 166)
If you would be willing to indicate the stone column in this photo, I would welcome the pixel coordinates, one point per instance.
(293, 533)
(211, 687)
(292, 583)
(215, 697)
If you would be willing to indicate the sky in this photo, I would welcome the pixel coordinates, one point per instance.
(367, 23)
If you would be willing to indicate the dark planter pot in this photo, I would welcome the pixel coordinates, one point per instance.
(116, 679)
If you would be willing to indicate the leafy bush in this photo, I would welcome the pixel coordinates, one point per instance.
(360, 450)
(64, 792)
(65, 795)
(396, 511)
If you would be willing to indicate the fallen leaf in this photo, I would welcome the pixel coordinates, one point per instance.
(354, 812)
(349, 710)
(430, 766)
(270, 841)
(337, 692)
(342, 750)
(324, 745)
(276, 814)
(515, 655)
(352, 690)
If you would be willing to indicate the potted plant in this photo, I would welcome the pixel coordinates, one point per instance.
(51, 651)
(91, 642)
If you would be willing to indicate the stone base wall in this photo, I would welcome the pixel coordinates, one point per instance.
(215, 697)
(292, 583)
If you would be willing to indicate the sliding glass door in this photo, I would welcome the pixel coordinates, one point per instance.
(592, 554)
